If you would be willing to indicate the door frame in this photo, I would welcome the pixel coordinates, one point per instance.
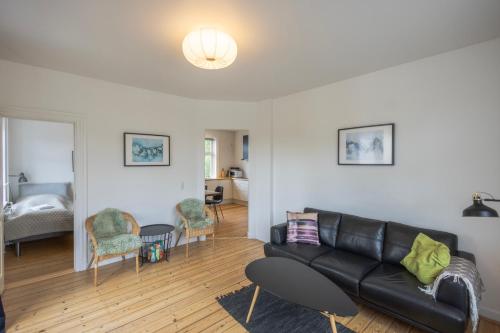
(251, 225)
(79, 121)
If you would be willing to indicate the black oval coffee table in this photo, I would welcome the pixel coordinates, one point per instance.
(297, 283)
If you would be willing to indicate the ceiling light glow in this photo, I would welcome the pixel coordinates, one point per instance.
(209, 48)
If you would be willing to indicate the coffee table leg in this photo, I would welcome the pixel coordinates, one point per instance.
(255, 295)
(332, 323)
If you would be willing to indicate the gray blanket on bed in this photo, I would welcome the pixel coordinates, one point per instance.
(37, 215)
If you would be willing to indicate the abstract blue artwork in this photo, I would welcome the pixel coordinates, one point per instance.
(146, 149)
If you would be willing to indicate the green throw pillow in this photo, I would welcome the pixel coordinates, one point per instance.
(427, 258)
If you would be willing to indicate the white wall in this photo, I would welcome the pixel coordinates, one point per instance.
(40, 149)
(150, 194)
(238, 151)
(225, 148)
(447, 114)
(446, 110)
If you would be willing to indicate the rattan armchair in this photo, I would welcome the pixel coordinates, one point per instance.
(191, 224)
(103, 247)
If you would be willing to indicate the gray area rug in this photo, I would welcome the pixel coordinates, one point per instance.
(272, 314)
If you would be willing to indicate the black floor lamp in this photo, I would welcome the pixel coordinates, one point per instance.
(478, 209)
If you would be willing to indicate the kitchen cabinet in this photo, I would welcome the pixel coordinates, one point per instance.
(240, 189)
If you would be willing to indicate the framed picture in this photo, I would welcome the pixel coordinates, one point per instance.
(367, 145)
(146, 149)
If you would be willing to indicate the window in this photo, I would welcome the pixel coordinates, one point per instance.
(210, 158)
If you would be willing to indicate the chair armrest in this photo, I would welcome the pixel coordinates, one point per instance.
(209, 213)
(136, 229)
(90, 230)
(278, 233)
(456, 293)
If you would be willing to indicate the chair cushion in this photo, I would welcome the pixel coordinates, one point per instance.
(303, 253)
(302, 228)
(344, 268)
(392, 287)
(362, 236)
(200, 222)
(399, 240)
(109, 223)
(328, 223)
(192, 208)
(118, 244)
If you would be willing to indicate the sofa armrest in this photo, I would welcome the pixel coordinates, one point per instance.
(466, 255)
(455, 293)
(278, 233)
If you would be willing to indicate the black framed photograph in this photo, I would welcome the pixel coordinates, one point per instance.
(146, 149)
(366, 145)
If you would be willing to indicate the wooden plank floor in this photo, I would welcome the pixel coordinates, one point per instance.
(178, 296)
(41, 259)
(235, 223)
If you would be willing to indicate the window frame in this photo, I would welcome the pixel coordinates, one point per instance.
(213, 155)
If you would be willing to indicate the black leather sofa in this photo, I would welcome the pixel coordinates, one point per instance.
(362, 257)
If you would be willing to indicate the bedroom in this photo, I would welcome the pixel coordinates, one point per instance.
(38, 158)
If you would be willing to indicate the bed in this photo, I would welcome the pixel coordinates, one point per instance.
(42, 210)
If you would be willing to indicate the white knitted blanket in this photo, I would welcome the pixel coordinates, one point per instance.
(466, 271)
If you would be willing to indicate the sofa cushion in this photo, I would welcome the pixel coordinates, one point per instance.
(427, 258)
(399, 240)
(392, 287)
(303, 253)
(362, 236)
(328, 225)
(344, 268)
(302, 228)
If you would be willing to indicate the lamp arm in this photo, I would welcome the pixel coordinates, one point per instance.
(491, 197)
(494, 200)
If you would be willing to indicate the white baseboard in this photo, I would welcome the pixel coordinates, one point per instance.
(240, 202)
(489, 313)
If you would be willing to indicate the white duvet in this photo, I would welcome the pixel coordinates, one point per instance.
(39, 214)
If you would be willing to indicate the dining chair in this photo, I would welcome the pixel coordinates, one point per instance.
(216, 201)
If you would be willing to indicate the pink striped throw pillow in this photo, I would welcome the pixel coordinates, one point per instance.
(302, 228)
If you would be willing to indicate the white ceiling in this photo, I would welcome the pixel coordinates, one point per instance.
(285, 46)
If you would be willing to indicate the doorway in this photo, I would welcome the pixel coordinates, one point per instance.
(226, 172)
(80, 240)
(38, 199)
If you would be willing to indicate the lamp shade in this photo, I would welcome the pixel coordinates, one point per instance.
(209, 48)
(478, 209)
(22, 178)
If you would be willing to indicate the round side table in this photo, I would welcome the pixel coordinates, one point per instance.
(156, 233)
